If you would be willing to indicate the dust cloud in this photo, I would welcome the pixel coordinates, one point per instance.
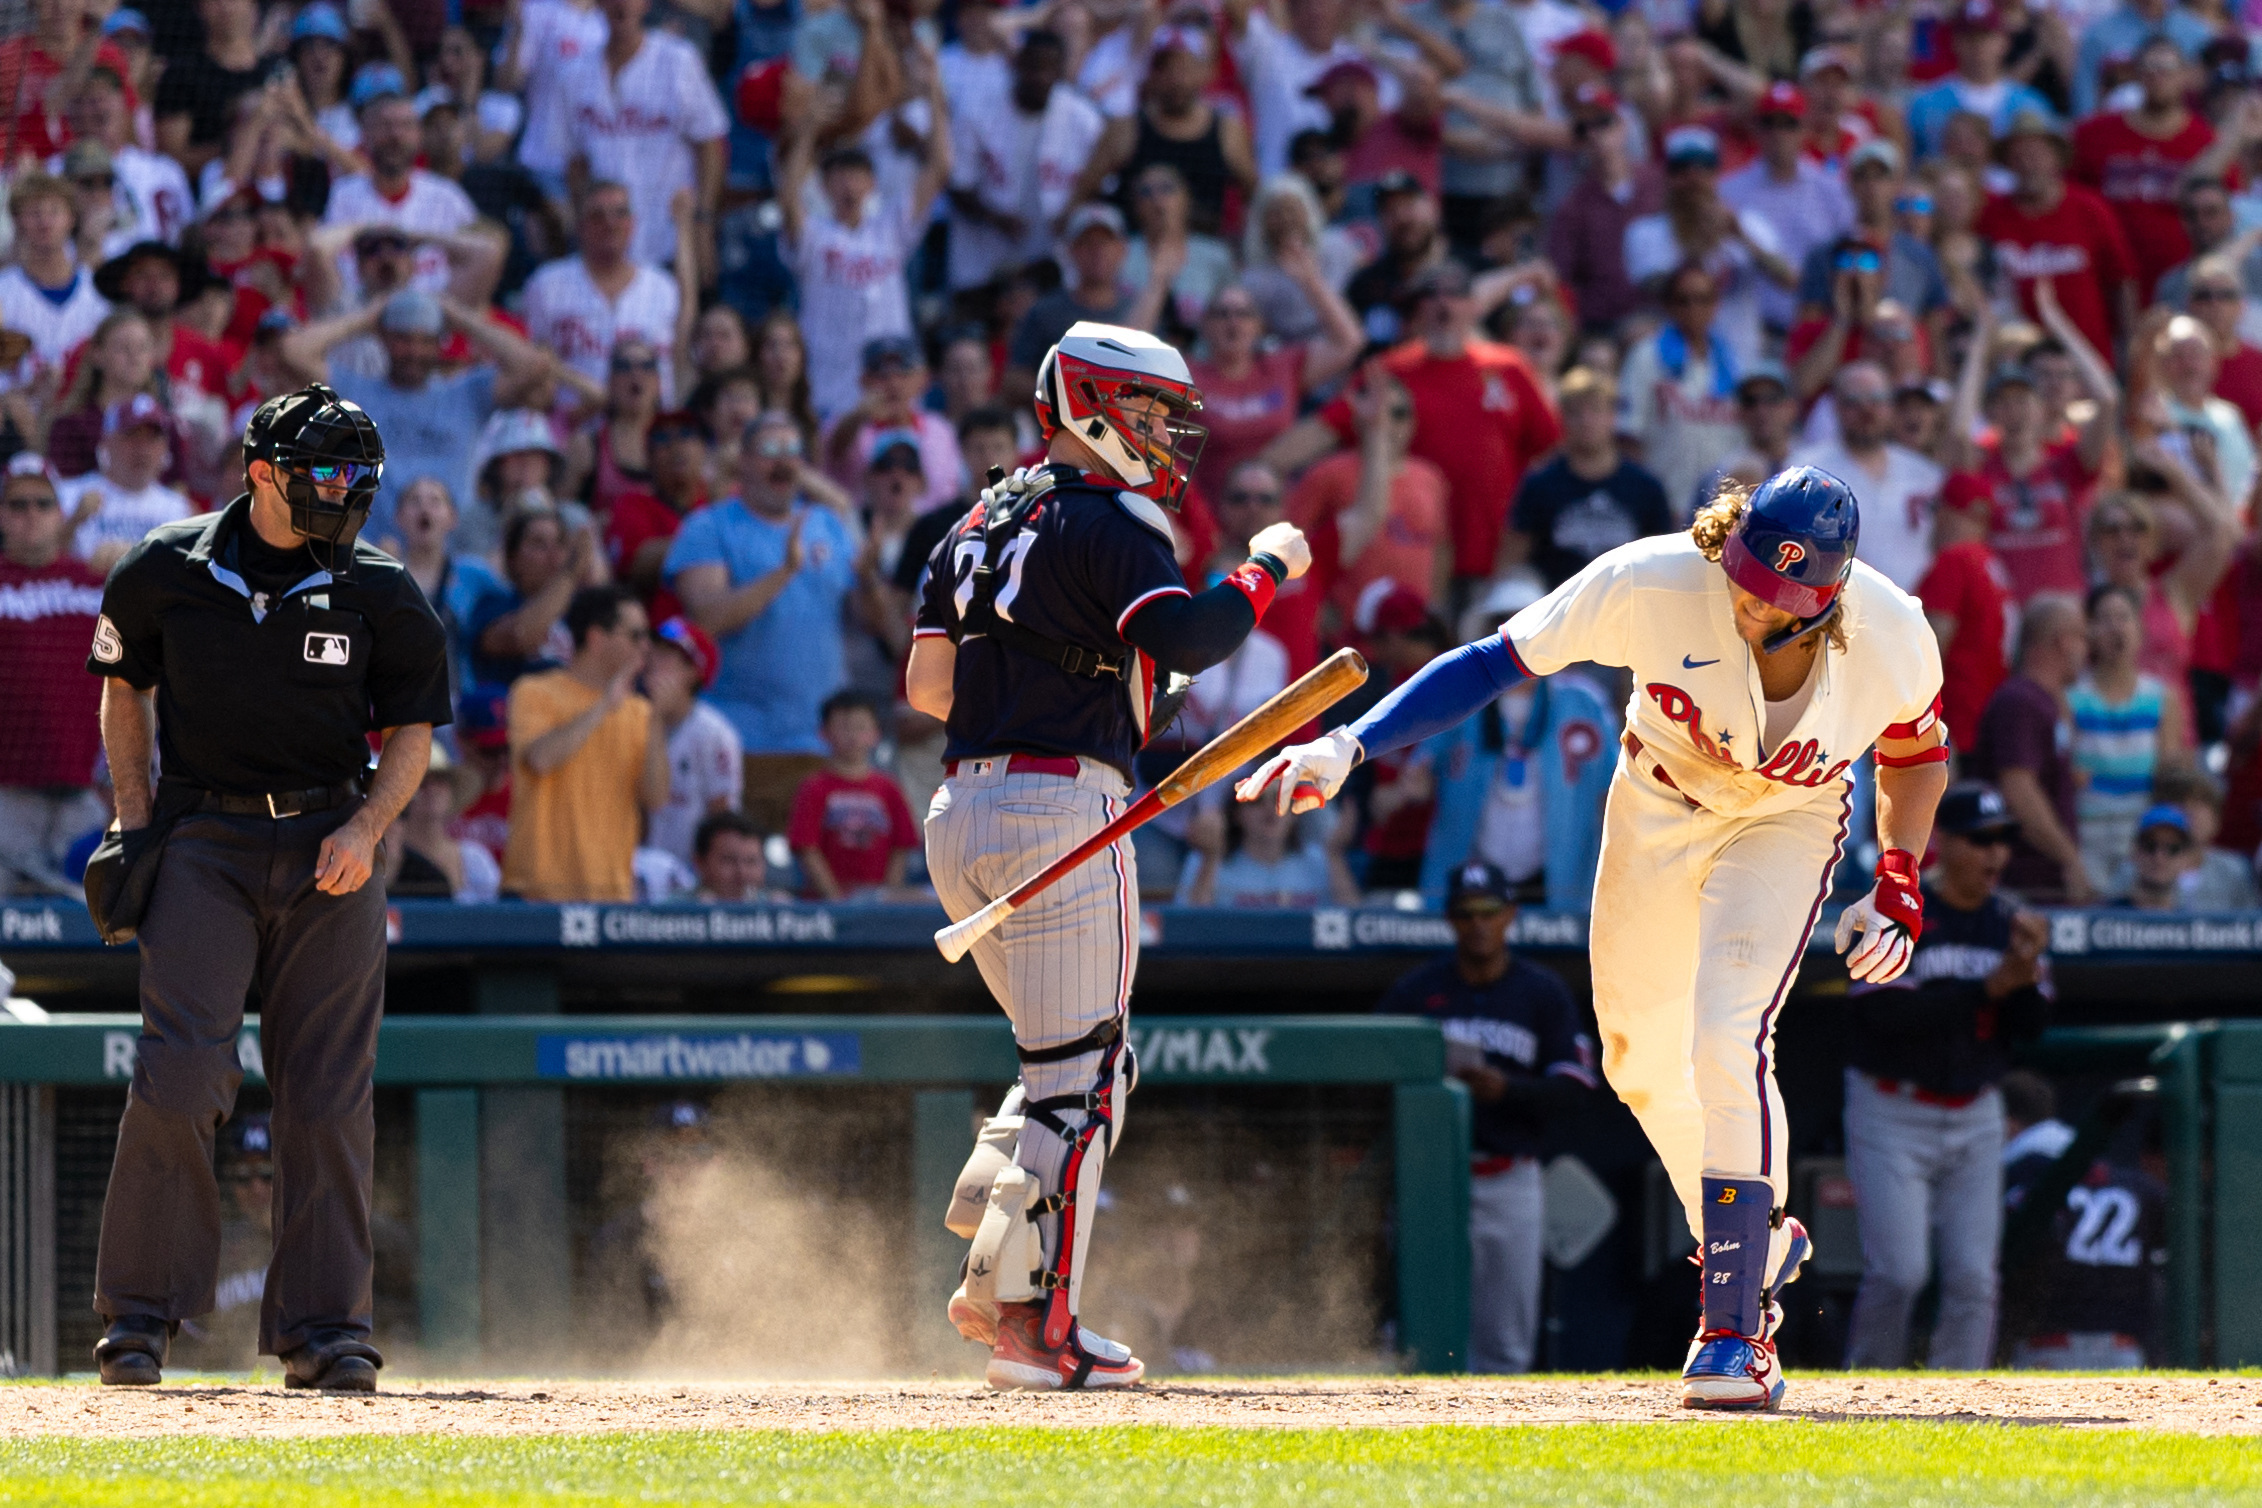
(771, 1243)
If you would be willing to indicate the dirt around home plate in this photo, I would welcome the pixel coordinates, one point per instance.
(2181, 1403)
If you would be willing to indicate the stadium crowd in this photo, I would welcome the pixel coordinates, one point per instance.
(692, 325)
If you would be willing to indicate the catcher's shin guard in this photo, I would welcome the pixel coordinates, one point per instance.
(993, 1149)
(1088, 1141)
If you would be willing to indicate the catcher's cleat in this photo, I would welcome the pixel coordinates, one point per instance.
(973, 1318)
(1021, 1359)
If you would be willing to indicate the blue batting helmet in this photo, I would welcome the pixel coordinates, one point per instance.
(1794, 546)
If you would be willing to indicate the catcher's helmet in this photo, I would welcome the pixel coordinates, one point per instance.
(1083, 385)
(318, 444)
(1794, 547)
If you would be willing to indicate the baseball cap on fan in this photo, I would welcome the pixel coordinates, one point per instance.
(1784, 101)
(694, 644)
(1691, 146)
(141, 411)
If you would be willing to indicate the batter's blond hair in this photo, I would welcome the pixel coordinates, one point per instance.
(1716, 520)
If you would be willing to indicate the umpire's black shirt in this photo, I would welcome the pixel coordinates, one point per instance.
(270, 672)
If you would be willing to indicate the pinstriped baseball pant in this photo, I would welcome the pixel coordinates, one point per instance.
(1063, 963)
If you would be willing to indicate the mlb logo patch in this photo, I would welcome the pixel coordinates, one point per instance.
(328, 649)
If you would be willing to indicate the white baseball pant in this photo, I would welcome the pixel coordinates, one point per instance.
(1699, 925)
(1062, 964)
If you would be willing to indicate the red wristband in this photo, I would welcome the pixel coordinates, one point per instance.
(1254, 582)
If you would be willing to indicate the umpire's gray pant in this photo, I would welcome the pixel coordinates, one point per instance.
(1926, 1178)
(1063, 963)
(235, 907)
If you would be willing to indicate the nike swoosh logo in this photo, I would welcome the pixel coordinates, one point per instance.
(1689, 664)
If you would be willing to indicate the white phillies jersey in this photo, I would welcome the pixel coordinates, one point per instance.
(852, 291)
(567, 313)
(637, 129)
(553, 35)
(56, 329)
(431, 206)
(1658, 607)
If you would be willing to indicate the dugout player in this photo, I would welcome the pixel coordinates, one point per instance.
(1766, 659)
(1047, 617)
(260, 646)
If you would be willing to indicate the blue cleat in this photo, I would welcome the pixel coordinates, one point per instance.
(1730, 1371)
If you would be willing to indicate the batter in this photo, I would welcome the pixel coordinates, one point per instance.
(1766, 659)
(1046, 620)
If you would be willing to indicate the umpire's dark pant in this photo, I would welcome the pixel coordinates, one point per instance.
(235, 906)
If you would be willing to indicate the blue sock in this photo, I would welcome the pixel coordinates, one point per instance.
(1737, 1219)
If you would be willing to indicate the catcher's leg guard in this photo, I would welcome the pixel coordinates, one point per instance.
(1069, 1136)
(1007, 1258)
(993, 1149)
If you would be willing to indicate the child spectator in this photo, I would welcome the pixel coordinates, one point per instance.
(851, 829)
(704, 773)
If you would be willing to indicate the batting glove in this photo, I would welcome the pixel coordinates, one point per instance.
(1890, 919)
(1309, 774)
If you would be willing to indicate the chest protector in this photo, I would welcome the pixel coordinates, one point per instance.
(1008, 507)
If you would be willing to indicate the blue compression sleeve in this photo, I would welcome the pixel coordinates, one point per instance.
(1439, 695)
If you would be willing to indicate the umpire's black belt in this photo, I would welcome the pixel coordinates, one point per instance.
(279, 804)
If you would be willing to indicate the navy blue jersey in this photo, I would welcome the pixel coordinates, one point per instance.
(1084, 561)
(1934, 1026)
(1524, 1022)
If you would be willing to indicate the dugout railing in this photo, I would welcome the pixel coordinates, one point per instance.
(489, 1094)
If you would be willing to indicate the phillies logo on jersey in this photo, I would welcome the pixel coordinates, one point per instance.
(1799, 761)
(1788, 553)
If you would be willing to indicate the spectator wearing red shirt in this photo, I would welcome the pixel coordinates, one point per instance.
(851, 829)
(1379, 142)
(1251, 397)
(2135, 158)
(1479, 415)
(642, 523)
(1586, 236)
(50, 733)
(156, 280)
(1966, 597)
(2033, 479)
(2049, 228)
(2217, 301)
(1376, 520)
(37, 68)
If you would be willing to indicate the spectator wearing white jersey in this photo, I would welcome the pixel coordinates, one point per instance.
(644, 112)
(396, 192)
(1895, 487)
(579, 306)
(544, 43)
(459, 76)
(110, 509)
(150, 193)
(46, 294)
(849, 252)
(1015, 164)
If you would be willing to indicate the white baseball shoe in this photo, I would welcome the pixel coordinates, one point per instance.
(1021, 1359)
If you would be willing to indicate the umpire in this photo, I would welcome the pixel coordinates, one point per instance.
(260, 646)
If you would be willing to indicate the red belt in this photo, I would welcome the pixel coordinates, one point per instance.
(1656, 770)
(1921, 1095)
(1492, 1167)
(1027, 764)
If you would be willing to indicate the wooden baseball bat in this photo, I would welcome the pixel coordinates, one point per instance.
(1314, 692)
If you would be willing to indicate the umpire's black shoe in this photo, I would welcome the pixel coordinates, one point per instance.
(132, 1351)
(335, 1364)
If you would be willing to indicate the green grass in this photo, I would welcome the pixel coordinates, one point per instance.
(1690, 1464)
